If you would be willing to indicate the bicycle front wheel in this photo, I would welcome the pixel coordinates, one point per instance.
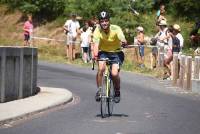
(104, 99)
(111, 98)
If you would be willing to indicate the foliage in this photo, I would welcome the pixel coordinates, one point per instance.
(121, 13)
(45, 9)
(188, 8)
(144, 6)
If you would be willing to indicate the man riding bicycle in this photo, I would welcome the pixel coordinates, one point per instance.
(107, 40)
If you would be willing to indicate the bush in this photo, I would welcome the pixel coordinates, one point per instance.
(45, 9)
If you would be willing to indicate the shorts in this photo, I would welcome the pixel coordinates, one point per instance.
(154, 50)
(115, 57)
(141, 50)
(85, 49)
(71, 39)
(26, 37)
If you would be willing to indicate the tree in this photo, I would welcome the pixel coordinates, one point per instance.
(45, 9)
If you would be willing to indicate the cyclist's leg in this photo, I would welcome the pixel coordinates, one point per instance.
(116, 81)
(117, 61)
(115, 76)
(99, 76)
(101, 69)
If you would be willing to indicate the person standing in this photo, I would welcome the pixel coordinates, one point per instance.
(88, 28)
(28, 31)
(85, 42)
(71, 29)
(161, 41)
(177, 29)
(140, 43)
(174, 48)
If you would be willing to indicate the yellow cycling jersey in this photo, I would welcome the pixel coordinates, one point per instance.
(110, 42)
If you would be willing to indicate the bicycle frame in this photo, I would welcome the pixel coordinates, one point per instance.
(107, 94)
(107, 76)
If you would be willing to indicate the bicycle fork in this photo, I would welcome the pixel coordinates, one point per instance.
(107, 79)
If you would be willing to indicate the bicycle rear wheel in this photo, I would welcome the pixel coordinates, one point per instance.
(104, 99)
(111, 98)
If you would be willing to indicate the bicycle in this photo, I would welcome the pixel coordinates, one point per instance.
(107, 93)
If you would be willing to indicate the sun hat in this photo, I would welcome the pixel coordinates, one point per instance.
(162, 23)
(139, 28)
(177, 27)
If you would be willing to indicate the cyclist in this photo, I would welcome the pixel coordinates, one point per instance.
(107, 40)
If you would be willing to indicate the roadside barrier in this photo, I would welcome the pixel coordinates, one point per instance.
(18, 73)
(186, 72)
(185, 69)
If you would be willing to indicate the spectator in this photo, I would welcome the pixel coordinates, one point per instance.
(177, 30)
(161, 40)
(71, 29)
(85, 41)
(94, 23)
(89, 32)
(161, 10)
(140, 42)
(28, 31)
(195, 34)
(175, 48)
(160, 15)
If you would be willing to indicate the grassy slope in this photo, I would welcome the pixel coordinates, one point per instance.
(12, 34)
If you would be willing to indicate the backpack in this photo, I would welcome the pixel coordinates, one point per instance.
(176, 44)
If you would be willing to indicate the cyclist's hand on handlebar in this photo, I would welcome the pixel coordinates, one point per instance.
(124, 44)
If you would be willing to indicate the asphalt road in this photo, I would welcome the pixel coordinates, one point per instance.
(148, 106)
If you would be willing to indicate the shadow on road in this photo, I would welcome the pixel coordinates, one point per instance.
(114, 115)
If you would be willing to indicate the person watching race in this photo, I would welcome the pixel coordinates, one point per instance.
(108, 39)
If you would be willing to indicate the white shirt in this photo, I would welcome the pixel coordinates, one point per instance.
(180, 37)
(85, 39)
(72, 27)
(163, 34)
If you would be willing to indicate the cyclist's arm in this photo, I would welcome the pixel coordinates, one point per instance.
(96, 40)
(121, 37)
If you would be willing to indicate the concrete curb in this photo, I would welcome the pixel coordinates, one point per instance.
(48, 97)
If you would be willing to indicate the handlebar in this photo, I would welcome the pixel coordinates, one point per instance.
(103, 59)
